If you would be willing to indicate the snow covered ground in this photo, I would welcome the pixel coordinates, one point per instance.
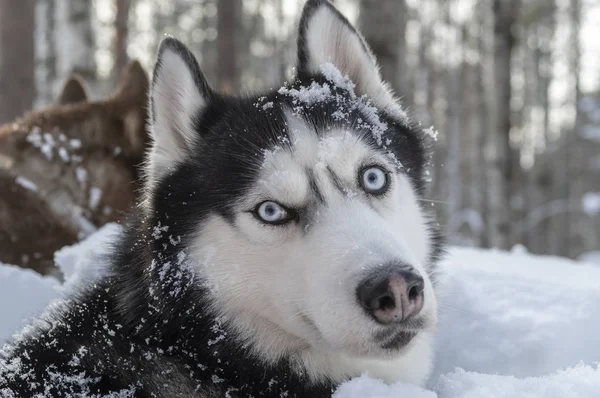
(512, 324)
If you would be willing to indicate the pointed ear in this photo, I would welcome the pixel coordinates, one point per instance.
(178, 94)
(73, 91)
(133, 82)
(325, 35)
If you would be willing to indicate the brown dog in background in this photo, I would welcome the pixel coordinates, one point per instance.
(69, 168)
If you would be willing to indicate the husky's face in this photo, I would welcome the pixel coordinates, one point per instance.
(300, 209)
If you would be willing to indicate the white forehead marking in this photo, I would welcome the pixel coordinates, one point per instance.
(314, 149)
(341, 150)
(284, 176)
(304, 139)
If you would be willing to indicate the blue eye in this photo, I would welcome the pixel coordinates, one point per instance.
(374, 180)
(273, 213)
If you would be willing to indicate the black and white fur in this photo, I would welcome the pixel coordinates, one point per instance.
(202, 298)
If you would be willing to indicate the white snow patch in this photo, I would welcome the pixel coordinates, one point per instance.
(591, 203)
(75, 143)
(64, 155)
(95, 196)
(334, 75)
(364, 386)
(27, 184)
(309, 95)
(317, 93)
(43, 141)
(577, 382)
(49, 146)
(23, 294)
(592, 257)
(85, 260)
(81, 174)
(432, 133)
(158, 230)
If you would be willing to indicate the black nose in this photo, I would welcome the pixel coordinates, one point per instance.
(392, 294)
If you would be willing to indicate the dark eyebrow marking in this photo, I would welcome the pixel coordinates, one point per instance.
(337, 181)
(312, 181)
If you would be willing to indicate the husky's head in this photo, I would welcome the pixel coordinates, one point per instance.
(299, 209)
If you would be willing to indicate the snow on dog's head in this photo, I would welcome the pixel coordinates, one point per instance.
(299, 209)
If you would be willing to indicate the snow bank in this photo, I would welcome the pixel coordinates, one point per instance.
(23, 293)
(592, 258)
(84, 260)
(362, 387)
(578, 382)
(517, 314)
(511, 324)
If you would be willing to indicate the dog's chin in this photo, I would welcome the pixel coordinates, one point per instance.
(382, 343)
(376, 347)
(397, 341)
(393, 341)
(388, 349)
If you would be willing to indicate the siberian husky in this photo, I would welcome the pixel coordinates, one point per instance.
(280, 249)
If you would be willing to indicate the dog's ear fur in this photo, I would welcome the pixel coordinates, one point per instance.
(73, 91)
(325, 35)
(178, 94)
(130, 100)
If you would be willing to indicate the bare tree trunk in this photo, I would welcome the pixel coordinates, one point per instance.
(228, 17)
(45, 53)
(422, 77)
(440, 187)
(282, 46)
(17, 58)
(500, 166)
(480, 114)
(573, 161)
(521, 132)
(454, 177)
(120, 50)
(529, 128)
(486, 48)
(539, 235)
(383, 24)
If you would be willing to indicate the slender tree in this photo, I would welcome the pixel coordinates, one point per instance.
(45, 52)
(383, 24)
(500, 163)
(228, 17)
(479, 118)
(17, 58)
(121, 34)
(454, 101)
(572, 159)
(541, 24)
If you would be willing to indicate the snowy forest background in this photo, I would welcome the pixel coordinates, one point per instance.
(512, 86)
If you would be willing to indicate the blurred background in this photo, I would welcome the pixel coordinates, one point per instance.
(512, 87)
